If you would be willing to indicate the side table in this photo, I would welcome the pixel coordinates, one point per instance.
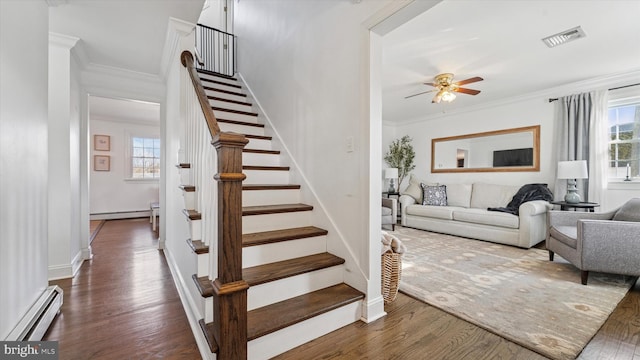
(565, 206)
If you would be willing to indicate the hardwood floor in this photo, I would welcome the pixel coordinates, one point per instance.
(414, 330)
(123, 304)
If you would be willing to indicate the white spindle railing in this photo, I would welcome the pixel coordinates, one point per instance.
(201, 154)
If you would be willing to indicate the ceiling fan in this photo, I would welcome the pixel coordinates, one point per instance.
(445, 87)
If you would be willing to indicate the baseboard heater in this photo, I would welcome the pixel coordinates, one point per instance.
(35, 323)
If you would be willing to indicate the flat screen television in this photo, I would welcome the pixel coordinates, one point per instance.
(513, 157)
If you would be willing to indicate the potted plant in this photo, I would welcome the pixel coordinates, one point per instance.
(400, 156)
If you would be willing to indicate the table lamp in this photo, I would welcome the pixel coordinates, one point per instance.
(392, 175)
(572, 170)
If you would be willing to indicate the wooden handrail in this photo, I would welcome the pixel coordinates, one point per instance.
(229, 289)
(186, 58)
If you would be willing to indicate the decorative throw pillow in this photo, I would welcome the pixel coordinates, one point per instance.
(414, 190)
(630, 211)
(434, 195)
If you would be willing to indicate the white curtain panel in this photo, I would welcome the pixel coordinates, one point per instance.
(599, 149)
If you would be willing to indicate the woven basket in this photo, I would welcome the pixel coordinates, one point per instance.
(391, 272)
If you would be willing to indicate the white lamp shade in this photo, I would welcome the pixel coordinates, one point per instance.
(391, 173)
(576, 169)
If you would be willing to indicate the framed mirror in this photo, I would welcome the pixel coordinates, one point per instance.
(508, 150)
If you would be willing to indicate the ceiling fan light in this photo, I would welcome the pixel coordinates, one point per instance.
(448, 96)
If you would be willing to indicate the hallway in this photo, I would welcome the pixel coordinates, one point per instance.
(123, 304)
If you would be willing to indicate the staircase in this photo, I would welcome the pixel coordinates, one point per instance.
(296, 291)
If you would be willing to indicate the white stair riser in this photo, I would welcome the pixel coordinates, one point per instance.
(256, 159)
(258, 223)
(229, 105)
(268, 346)
(266, 177)
(270, 197)
(208, 309)
(221, 87)
(189, 199)
(259, 144)
(221, 114)
(241, 129)
(225, 95)
(203, 265)
(280, 290)
(284, 250)
(232, 81)
(185, 176)
(195, 228)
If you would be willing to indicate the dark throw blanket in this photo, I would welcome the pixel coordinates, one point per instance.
(528, 192)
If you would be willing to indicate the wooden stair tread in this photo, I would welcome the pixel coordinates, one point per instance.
(251, 187)
(234, 111)
(204, 285)
(236, 122)
(282, 269)
(258, 137)
(270, 168)
(188, 188)
(260, 151)
(262, 274)
(198, 246)
(221, 83)
(215, 98)
(192, 214)
(208, 72)
(274, 209)
(274, 317)
(183, 166)
(268, 237)
(224, 91)
(207, 329)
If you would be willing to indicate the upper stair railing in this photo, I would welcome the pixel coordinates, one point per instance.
(229, 289)
(217, 50)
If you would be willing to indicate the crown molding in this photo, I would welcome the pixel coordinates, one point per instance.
(176, 30)
(61, 40)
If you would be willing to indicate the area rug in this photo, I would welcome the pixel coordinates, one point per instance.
(515, 293)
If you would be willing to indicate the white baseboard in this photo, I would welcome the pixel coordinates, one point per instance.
(120, 215)
(66, 270)
(190, 307)
(373, 309)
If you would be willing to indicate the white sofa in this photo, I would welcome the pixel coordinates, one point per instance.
(466, 214)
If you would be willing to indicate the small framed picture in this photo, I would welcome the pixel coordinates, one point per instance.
(101, 163)
(102, 142)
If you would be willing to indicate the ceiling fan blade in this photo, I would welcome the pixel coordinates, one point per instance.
(467, 91)
(406, 97)
(437, 98)
(469, 81)
(432, 84)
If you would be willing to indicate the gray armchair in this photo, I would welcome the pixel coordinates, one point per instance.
(389, 212)
(603, 242)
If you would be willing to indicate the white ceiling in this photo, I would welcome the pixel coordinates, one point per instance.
(122, 110)
(501, 42)
(126, 34)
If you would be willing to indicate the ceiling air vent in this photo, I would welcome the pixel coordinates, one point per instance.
(564, 37)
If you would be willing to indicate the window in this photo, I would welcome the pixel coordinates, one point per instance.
(624, 138)
(145, 158)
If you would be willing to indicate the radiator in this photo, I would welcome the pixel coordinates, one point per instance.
(35, 323)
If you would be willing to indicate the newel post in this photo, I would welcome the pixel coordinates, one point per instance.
(229, 289)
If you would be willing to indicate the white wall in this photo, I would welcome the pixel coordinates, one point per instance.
(213, 15)
(111, 191)
(23, 157)
(312, 81)
(65, 243)
(512, 115)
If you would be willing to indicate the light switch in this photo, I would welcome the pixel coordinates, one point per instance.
(349, 143)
